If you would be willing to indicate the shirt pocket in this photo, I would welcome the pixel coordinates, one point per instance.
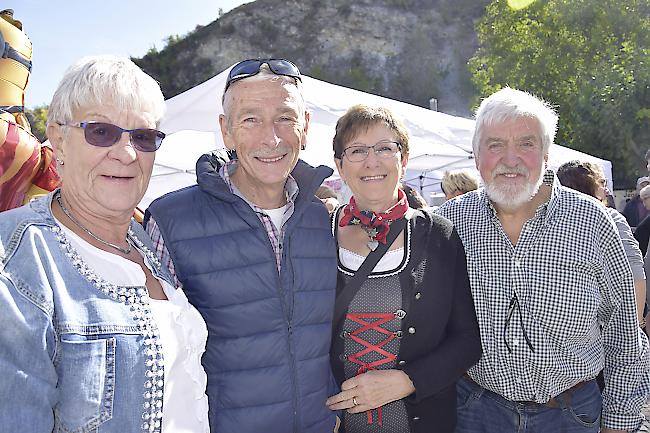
(566, 298)
(86, 385)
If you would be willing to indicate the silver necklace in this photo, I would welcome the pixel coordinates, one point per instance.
(372, 234)
(91, 234)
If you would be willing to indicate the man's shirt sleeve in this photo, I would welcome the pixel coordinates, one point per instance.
(160, 249)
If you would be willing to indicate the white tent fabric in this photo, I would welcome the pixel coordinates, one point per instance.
(439, 142)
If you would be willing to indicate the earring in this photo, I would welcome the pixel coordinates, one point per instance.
(60, 161)
(303, 146)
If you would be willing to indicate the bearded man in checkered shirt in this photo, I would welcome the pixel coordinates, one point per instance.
(553, 291)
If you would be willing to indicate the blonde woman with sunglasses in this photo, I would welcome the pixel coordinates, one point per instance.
(94, 336)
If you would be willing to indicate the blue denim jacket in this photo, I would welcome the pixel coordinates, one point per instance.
(76, 354)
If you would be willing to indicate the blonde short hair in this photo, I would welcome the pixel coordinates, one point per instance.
(99, 80)
(645, 192)
(460, 180)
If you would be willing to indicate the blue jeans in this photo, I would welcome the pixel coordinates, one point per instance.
(483, 411)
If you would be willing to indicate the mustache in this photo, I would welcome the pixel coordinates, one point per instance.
(270, 154)
(502, 169)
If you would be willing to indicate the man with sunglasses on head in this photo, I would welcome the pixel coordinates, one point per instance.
(552, 287)
(252, 248)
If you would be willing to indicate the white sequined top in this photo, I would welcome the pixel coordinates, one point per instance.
(183, 334)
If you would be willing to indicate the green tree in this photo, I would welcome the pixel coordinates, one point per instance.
(37, 120)
(589, 58)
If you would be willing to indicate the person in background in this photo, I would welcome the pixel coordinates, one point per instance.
(634, 210)
(588, 178)
(328, 197)
(553, 290)
(257, 258)
(415, 199)
(94, 335)
(407, 331)
(458, 182)
(642, 232)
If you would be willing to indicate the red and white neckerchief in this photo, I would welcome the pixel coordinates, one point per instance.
(376, 224)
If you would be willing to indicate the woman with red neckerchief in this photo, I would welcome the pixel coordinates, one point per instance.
(404, 323)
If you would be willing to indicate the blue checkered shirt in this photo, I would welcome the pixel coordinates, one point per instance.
(556, 308)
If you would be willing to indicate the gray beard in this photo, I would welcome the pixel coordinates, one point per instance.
(512, 198)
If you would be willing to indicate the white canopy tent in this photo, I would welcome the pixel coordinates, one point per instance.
(439, 142)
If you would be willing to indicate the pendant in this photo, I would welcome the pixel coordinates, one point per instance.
(372, 234)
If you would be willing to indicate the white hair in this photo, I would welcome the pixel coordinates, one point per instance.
(265, 73)
(102, 80)
(508, 104)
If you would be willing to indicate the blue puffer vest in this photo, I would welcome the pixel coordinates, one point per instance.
(269, 335)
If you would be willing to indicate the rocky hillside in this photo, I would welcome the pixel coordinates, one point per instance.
(410, 50)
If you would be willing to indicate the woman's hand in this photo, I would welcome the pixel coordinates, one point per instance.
(371, 390)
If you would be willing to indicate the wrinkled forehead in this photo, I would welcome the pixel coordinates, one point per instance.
(113, 111)
(516, 127)
(258, 87)
(359, 127)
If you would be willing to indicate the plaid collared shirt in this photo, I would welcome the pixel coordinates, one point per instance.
(557, 307)
(276, 236)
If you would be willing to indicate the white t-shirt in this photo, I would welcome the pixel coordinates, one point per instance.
(276, 215)
(183, 335)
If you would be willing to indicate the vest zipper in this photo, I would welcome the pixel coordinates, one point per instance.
(292, 358)
(288, 319)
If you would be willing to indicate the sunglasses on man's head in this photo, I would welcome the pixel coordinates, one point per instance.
(250, 67)
(103, 134)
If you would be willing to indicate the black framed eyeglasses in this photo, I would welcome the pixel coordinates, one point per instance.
(514, 305)
(103, 134)
(383, 149)
(250, 67)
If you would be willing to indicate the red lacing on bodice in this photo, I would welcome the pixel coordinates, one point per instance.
(375, 325)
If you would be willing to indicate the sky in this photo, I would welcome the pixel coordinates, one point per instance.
(64, 31)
